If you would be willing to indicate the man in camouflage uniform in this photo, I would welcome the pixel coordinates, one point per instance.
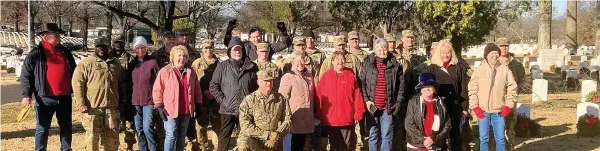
(162, 54)
(353, 46)
(352, 61)
(315, 54)
(125, 108)
(398, 142)
(264, 64)
(518, 72)
(183, 39)
(96, 84)
(299, 45)
(208, 113)
(265, 117)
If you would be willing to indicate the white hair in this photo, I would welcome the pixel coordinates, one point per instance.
(380, 42)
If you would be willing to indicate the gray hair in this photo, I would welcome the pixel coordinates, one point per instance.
(297, 55)
(380, 42)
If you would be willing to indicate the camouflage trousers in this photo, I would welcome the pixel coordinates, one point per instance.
(128, 129)
(102, 126)
(509, 136)
(205, 119)
(256, 144)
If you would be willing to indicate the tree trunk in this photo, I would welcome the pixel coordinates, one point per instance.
(109, 26)
(597, 51)
(545, 25)
(86, 22)
(571, 37)
(457, 45)
(17, 25)
(31, 24)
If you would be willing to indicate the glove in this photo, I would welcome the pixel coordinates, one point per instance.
(231, 24)
(479, 112)
(162, 113)
(273, 138)
(505, 111)
(281, 27)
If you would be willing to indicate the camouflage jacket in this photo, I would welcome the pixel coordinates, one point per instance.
(352, 61)
(161, 56)
(516, 68)
(318, 57)
(361, 54)
(125, 58)
(259, 115)
(273, 68)
(204, 70)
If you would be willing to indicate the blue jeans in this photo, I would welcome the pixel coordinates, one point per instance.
(144, 125)
(380, 126)
(497, 123)
(175, 131)
(45, 107)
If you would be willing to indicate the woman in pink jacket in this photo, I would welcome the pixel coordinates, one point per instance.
(175, 91)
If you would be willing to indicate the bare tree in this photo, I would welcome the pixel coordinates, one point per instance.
(13, 12)
(86, 12)
(164, 10)
(571, 37)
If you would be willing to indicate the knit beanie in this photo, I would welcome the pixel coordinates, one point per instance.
(489, 48)
(139, 40)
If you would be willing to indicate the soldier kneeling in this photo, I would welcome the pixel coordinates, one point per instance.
(264, 117)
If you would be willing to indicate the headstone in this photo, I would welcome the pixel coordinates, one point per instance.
(477, 63)
(18, 71)
(587, 86)
(587, 108)
(547, 58)
(524, 109)
(584, 58)
(540, 90)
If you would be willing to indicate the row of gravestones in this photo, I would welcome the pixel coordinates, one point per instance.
(540, 94)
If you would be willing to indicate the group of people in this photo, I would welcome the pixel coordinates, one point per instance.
(394, 98)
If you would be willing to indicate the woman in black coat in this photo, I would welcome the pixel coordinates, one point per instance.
(453, 78)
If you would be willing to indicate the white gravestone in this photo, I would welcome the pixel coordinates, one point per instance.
(524, 109)
(540, 90)
(547, 58)
(594, 66)
(587, 108)
(587, 86)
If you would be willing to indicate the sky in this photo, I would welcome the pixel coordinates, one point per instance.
(560, 6)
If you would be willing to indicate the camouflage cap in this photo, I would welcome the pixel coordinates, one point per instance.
(262, 47)
(408, 33)
(390, 37)
(339, 40)
(169, 34)
(353, 35)
(502, 41)
(299, 40)
(207, 42)
(265, 75)
(102, 42)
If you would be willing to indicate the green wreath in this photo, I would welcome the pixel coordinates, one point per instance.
(525, 127)
(593, 97)
(588, 126)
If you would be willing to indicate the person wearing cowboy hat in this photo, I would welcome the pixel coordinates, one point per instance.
(427, 122)
(49, 88)
(98, 93)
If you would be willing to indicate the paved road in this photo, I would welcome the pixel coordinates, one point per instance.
(10, 93)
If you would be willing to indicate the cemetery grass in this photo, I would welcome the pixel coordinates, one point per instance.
(9, 79)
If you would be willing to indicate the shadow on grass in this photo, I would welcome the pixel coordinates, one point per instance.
(77, 128)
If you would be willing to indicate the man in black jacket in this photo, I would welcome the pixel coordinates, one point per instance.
(232, 80)
(255, 38)
(382, 84)
(52, 90)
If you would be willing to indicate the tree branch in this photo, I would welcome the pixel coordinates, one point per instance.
(127, 14)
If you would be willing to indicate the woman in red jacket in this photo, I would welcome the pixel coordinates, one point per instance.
(339, 104)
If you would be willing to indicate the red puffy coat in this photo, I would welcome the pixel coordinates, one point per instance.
(340, 101)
